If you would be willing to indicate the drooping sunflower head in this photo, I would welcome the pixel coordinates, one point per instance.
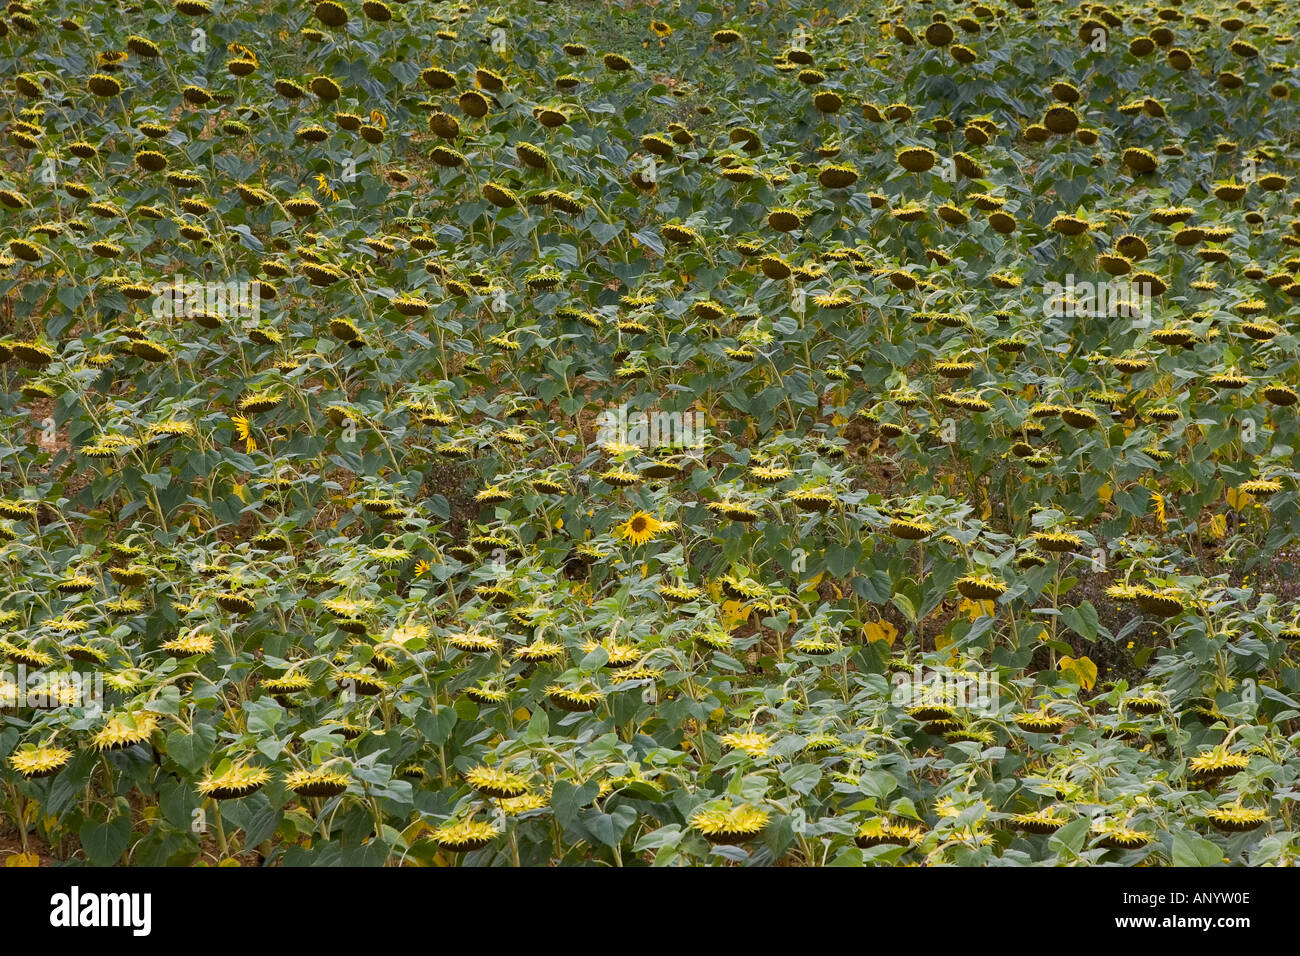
(1114, 835)
(730, 825)
(880, 831)
(1040, 722)
(981, 587)
(577, 699)
(916, 159)
(317, 782)
(190, 644)
(239, 780)
(34, 763)
(464, 836)
(125, 730)
(497, 782)
(1215, 764)
(1235, 818)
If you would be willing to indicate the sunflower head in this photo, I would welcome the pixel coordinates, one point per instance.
(730, 825)
(496, 782)
(33, 763)
(463, 836)
(641, 527)
(238, 781)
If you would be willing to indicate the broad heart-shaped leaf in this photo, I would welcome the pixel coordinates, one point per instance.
(436, 723)
(1192, 850)
(1083, 620)
(608, 828)
(105, 843)
(605, 232)
(1072, 836)
(191, 751)
(567, 800)
(802, 777)
(538, 725)
(840, 558)
(262, 824)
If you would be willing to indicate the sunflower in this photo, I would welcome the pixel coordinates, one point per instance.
(235, 603)
(486, 694)
(916, 159)
(86, 654)
(125, 681)
(190, 645)
(730, 825)
(1280, 394)
(574, 699)
(641, 527)
(838, 177)
(35, 763)
(942, 728)
(76, 584)
(1236, 818)
(1040, 722)
(238, 781)
(981, 587)
(359, 682)
(1140, 160)
(681, 235)
(281, 687)
(882, 832)
(715, 637)
(1215, 764)
(125, 730)
(103, 85)
(680, 593)
(497, 595)
(1167, 602)
(755, 745)
(617, 655)
(734, 510)
(317, 782)
(539, 652)
(910, 529)
(259, 401)
(529, 802)
(1116, 836)
(816, 645)
(463, 836)
(1260, 487)
(496, 782)
(1058, 542)
(474, 642)
(1144, 705)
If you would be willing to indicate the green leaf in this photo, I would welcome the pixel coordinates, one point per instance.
(105, 843)
(1082, 620)
(436, 723)
(191, 751)
(1193, 850)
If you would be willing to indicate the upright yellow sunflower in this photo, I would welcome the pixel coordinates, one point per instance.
(642, 526)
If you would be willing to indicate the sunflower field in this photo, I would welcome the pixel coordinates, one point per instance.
(649, 433)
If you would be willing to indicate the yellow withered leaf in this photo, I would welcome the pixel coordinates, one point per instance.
(880, 631)
(1082, 669)
(734, 613)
